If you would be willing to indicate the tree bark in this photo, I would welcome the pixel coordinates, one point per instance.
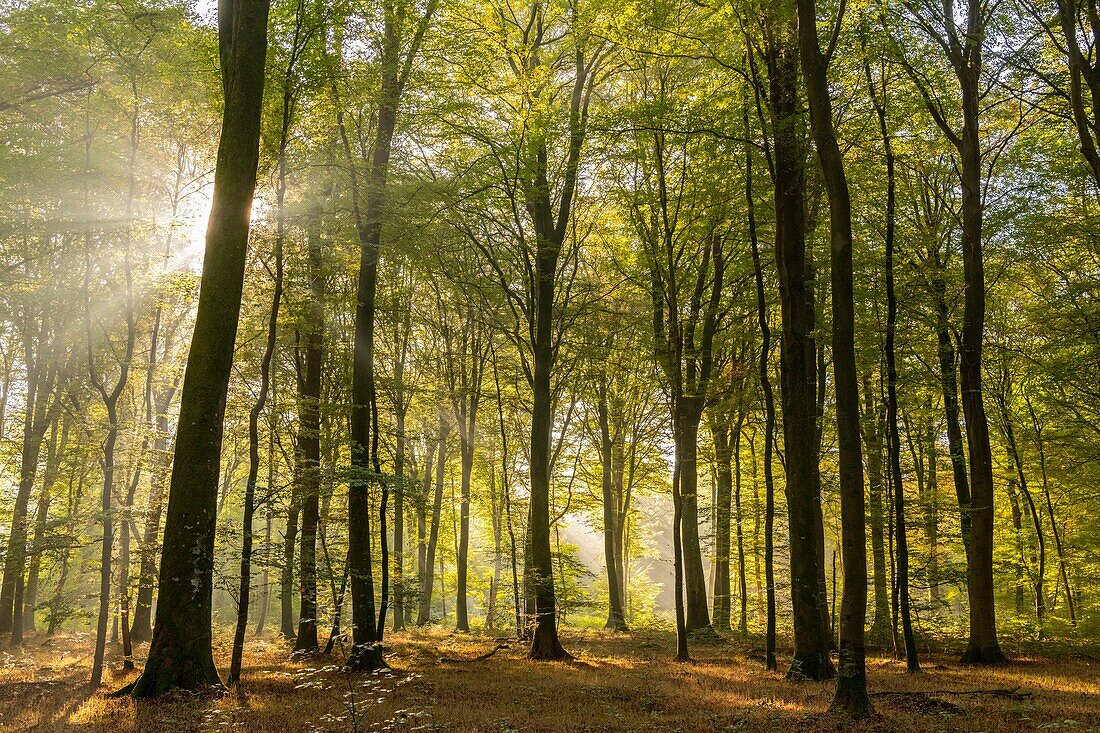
(54, 452)
(769, 414)
(616, 619)
(427, 576)
(721, 594)
(308, 453)
(270, 343)
(1062, 570)
(798, 360)
(851, 688)
(180, 655)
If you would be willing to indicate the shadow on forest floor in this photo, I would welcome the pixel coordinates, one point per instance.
(617, 682)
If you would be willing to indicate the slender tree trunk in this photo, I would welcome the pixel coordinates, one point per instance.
(743, 622)
(265, 582)
(427, 577)
(367, 627)
(54, 452)
(1062, 571)
(874, 418)
(308, 453)
(893, 452)
(851, 688)
(1039, 574)
(798, 354)
(244, 589)
(769, 416)
(110, 398)
(720, 436)
(616, 620)
(964, 48)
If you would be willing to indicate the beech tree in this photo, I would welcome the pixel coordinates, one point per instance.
(180, 653)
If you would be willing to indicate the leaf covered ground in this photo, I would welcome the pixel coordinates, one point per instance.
(616, 683)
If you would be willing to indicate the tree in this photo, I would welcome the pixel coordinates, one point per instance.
(798, 353)
(961, 39)
(851, 686)
(399, 48)
(180, 655)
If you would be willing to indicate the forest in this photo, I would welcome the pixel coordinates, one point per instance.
(549, 365)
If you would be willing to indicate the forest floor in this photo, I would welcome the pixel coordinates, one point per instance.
(616, 683)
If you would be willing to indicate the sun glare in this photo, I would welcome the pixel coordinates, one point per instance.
(190, 246)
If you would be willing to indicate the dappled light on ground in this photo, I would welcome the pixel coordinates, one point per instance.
(440, 682)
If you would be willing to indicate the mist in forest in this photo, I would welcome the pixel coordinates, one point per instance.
(562, 365)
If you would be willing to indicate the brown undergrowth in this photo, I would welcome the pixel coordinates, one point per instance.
(616, 683)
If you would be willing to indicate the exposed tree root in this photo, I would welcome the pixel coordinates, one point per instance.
(479, 658)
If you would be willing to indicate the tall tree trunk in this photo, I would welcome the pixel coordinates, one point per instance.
(616, 619)
(427, 577)
(1039, 574)
(769, 414)
(876, 513)
(893, 452)
(851, 688)
(962, 39)
(1062, 571)
(180, 655)
(54, 451)
(308, 453)
(874, 418)
(367, 627)
(110, 397)
(982, 647)
(743, 591)
(248, 522)
(721, 595)
(798, 354)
